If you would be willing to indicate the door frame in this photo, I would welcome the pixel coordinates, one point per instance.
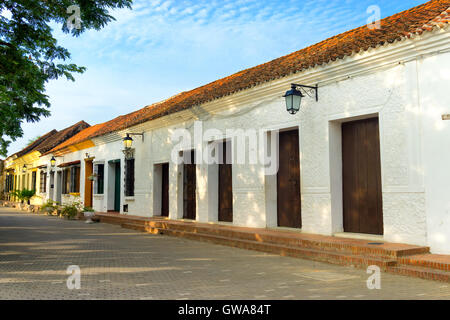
(229, 156)
(58, 188)
(363, 168)
(117, 186)
(335, 159)
(193, 152)
(88, 184)
(299, 177)
(110, 186)
(158, 169)
(270, 182)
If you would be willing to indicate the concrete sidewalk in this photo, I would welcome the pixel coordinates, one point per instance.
(115, 263)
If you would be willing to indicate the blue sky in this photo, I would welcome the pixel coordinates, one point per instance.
(162, 47)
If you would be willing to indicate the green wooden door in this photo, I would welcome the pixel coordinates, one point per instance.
(117, 187)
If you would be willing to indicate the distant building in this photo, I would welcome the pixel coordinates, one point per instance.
(27, 169)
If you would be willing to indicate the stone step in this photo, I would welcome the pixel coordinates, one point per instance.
(283, 250)
(433, 261)
(340, 245)
(420, 272)
(120, 219)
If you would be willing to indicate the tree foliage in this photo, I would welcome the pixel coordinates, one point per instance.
(30, 55)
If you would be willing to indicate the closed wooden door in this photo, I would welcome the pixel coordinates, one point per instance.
(89, 169)
(52, 185)
(363, 209)
(117, 187)
(189, 187)
(225, 184)
(165, 190)
(288, 181)
(58, 187)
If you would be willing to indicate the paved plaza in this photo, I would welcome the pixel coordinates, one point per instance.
(116, 263)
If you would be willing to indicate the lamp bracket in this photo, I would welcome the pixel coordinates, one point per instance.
(129, 153)
(137, 134)
(308, 90)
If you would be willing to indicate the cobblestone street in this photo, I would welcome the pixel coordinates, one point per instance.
(35, 252)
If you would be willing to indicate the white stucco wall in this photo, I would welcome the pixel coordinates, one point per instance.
(382, 93)
(408, 96)
(434, 85)
(101, 154)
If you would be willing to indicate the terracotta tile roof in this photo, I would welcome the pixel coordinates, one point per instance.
(35, 144)
(81, 136)
(394, 28)
(62, 136)
(52, 139)
(68, 164)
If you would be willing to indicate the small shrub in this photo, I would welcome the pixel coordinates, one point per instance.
(69, 211)
(49, 206)
(23, 195)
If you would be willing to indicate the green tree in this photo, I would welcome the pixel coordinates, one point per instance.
(30, 141)
(30, 56)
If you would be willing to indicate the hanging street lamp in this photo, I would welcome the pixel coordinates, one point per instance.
(128, 141)
(294, 96)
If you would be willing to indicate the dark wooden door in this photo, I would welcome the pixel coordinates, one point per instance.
(117, 187)
(363, 209)
(88, 194)
(165, 190)
(225, 184)
(288, 181)
(189, 186)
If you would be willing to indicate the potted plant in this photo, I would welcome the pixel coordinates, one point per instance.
(88, 214)
(23, 195)
(27, 195)
(49, 207)
(92, 177)
(70, 211)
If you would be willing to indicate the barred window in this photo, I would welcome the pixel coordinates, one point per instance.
(66, 181)
(129, 177)
(33, 180)
(43, 182)
(100, 171)
(75, 179)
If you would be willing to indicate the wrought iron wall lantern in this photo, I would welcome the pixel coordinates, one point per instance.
(128, 141)
(24, 168)
(294, 96)
(53, 161)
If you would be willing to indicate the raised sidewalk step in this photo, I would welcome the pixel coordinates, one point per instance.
(351, 246)
(395, 258)
(420, 272)
(342, 245)
(433, 261)
(283, 250)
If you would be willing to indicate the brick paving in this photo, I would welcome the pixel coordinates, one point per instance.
(117, 263)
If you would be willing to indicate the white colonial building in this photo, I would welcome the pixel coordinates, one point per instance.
(367, 159)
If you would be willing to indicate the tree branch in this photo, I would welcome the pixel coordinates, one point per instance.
(3, 43)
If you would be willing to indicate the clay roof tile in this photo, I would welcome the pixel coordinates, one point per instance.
(404, 24)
